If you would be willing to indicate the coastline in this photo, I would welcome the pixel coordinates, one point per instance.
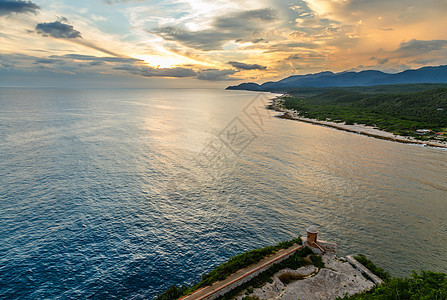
(356, 128)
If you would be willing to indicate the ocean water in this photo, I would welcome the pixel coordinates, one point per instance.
(121, 193)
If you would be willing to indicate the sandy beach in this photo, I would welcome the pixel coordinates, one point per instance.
(356, 128)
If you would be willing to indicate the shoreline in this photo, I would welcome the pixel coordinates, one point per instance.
(356, 128)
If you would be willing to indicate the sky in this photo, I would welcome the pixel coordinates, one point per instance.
(212, 43)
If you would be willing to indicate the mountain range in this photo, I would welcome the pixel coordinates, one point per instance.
(347, 78)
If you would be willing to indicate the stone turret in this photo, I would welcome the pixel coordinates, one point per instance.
(317, 246)
(312, 233)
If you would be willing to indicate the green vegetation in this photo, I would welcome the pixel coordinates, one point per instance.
(317, 261)
(226, 269)
(390, 108)
(420, 285)
(381, 273)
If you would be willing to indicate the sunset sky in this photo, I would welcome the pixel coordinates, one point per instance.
(212, 43)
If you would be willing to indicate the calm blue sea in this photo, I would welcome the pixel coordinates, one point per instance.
(120, 193)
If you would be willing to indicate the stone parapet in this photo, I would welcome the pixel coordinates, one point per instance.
(240, 277)
(356, 264)
(322, 245)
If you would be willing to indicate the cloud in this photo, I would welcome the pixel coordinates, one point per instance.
(242, 19)
(215, 75)
(116, 1)
(61, 30)
(102, 59)
(417, 47)
(82, 64)
(47, 61)
(236, 26)
(203, 40)
(394, 14)
(244, 66)
(157, 72)
(255, 41)
(132, 65)
(6, 65)
(96, 63)
(382, 61)
(58, 30)
(286, 47)
(8, 7)
(293, 57)
(401, 9)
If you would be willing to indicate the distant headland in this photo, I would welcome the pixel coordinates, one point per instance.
(437, 74)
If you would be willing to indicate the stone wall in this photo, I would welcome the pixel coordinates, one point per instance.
(248, 277)
(328, 246)
(356, 264)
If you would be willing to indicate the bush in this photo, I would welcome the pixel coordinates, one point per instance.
(317, 261)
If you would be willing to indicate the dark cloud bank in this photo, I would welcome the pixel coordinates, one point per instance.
(8, 7)
(415, 47)
(58, 30)
(237, 26)
(81, 64)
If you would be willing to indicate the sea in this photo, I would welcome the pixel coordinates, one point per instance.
(120, 193)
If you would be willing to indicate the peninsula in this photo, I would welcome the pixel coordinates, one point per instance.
(306, 268)
(417, 117)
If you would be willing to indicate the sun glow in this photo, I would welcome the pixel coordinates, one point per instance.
(158, 61)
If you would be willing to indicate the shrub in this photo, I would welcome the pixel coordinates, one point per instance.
(317, 261)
